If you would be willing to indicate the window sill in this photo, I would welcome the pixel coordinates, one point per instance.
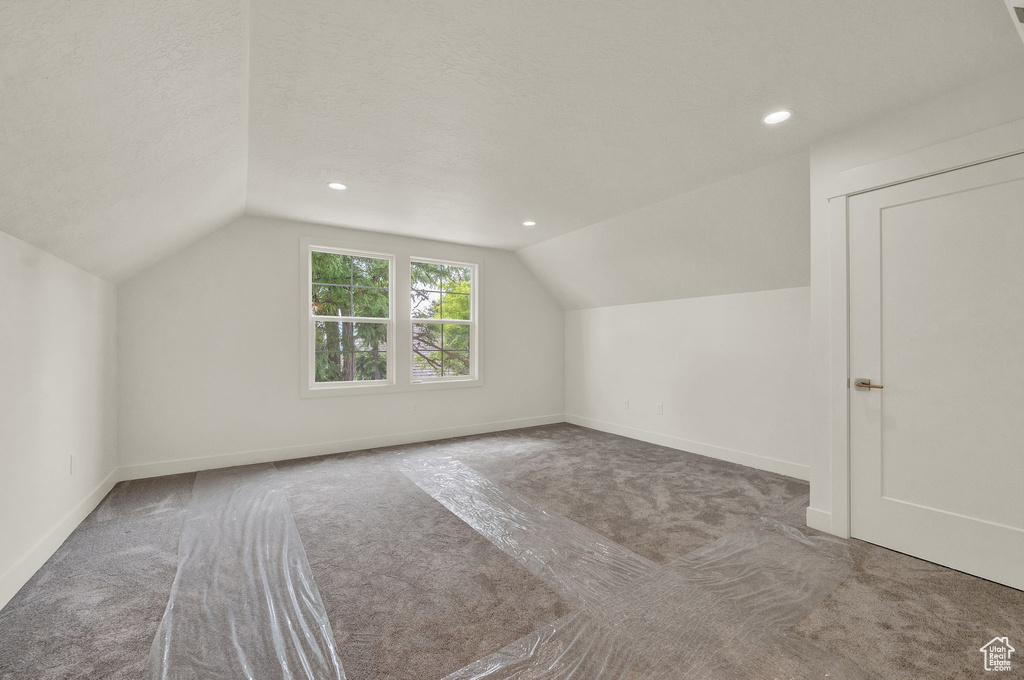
(387, 388)
(445, 384)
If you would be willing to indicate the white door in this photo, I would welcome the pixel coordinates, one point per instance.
(937, 320)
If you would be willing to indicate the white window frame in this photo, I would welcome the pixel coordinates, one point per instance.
(474, 328)
(309, 386)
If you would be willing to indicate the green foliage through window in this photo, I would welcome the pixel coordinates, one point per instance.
(349, 286)
(344, 285)
(441, 292)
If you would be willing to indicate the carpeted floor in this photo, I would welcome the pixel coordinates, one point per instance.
(93, 609)
(413, 592)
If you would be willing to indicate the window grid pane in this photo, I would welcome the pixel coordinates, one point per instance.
(441, 291)
(348, 285)
(441, 350)
(346, 351)
(456, 363)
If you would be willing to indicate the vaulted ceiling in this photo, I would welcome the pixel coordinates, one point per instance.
(133, 128)
(124, 126)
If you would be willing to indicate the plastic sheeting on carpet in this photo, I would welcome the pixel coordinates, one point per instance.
(721, 612)
(581, 563)
(244, 603)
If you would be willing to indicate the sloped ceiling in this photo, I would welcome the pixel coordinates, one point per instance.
(459, 120)
(132, 128)
(748, 232)
(124, 126)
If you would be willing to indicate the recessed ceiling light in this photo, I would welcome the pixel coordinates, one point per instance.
(337, 185)
(529, 224)
(777, 117)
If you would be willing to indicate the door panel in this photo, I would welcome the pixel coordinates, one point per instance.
(937, 318)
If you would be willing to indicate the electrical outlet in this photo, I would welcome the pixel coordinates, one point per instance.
(625, 404)
(660, 408)
(414, 408)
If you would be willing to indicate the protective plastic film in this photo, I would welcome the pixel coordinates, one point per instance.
(243, 603)
(720, 612)
(584, 565)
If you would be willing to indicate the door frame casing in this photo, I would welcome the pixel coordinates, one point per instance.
(987, 145)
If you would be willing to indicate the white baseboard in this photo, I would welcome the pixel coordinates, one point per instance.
(171, 467)
(819, 519)
(753, 460)
(19, 574)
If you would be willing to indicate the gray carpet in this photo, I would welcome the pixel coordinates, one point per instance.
(414, 592)
(94, 607)
(411, 590)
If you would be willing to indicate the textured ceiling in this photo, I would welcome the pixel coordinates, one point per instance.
(124, 132)
(458, 120)
(125, 123)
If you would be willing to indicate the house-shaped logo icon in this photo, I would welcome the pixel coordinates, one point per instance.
(997, 654)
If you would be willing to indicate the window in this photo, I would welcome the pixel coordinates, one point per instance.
(350, 318)
(358, 339)
(444, 331)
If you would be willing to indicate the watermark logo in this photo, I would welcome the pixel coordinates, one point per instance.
(997, 654)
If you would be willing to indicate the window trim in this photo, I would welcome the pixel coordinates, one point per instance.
(474, 329)
(309, 385)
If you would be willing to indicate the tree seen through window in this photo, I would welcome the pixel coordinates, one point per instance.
(441, 299)
(350, 307)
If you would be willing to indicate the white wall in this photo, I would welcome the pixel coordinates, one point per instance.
(980, 106)
(748, 232)
(209, 359)
(730, 370)
(717, 328)
(57, 385)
